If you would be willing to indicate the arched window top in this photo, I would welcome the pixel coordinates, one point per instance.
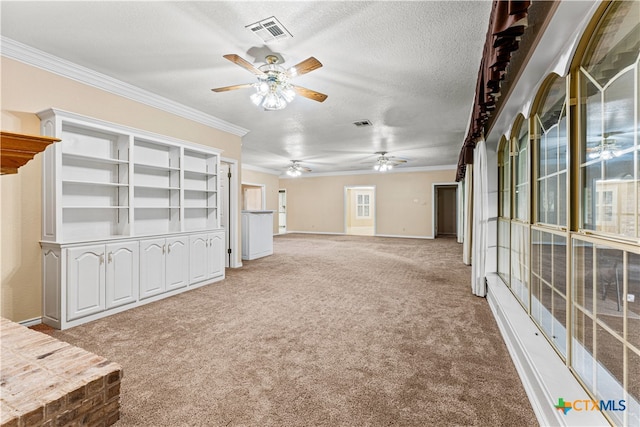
(552, 100)
(518, 131)
(615, 43)
(503, 150)
(522, 132)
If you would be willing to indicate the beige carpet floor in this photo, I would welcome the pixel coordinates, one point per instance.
(328, 331)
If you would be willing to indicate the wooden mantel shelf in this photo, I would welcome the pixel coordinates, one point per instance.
(17, 149)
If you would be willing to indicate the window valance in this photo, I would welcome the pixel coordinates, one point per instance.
(507, 23)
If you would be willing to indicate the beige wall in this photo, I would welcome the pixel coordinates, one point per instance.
(403, 202)
(25, 91)
(271, 183)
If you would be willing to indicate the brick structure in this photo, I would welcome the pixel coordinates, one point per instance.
(47, 382)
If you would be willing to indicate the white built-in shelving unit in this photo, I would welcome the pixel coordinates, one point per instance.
(129, 217)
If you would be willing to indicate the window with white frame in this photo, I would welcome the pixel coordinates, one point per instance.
(363, 205)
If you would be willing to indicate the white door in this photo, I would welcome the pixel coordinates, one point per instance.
(177, 263)
(122, 274)
(152, 267)
(198, 249)
(86, 281)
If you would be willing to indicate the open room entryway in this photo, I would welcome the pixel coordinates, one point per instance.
(253, 197)
(445, 210)
(360, 211)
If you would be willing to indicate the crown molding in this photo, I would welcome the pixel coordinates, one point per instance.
(12, 49)
(372, 172)
(260, 169)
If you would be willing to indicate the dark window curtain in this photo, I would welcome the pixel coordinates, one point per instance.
(507, 23)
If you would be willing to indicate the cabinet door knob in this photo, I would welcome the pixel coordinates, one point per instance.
(101, 258)
(168, 249)
(164, 249)
(110, 257)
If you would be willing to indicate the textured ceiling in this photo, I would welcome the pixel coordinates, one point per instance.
(408, 67)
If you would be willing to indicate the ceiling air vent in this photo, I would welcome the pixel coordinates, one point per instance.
(269, 30)
(362, 123)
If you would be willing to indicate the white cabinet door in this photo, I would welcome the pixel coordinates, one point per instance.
(216, 255)
(122, 273)
(85, 281)
(206, 260)
(152, 267)
(177, 263)
(198, 254)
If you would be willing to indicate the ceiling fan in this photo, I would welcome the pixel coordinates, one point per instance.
(384, 163)
(273, 89)
(606, 149)
(296, 169)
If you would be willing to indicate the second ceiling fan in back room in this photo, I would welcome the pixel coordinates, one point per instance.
(384, 162)
(295, 169)
(273, 89)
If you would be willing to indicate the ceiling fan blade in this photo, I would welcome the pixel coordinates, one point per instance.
(304, 67)
(234, 87)
(397, 161)
(243, 63)
(308, 93)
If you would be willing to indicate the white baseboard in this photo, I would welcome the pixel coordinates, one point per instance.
(313, 232)
(543, 373)
(404, 237)
(31, 322)
(345, 234)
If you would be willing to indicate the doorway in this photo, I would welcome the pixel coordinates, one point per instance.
(445, 210)
(253, 197)
(282, 211)
(360, 210)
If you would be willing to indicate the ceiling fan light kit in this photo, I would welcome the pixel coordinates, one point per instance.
(295, 169)
(607, 150)
(273, 89)
(382, 166)
(385, 163)
(293, 172)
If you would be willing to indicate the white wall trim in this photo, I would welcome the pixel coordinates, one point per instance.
(315, 232)
(370, 172)
(31, 322)
(261, 169)
(396, 236)
(344, 234)
(37, 58)
(543, 374)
